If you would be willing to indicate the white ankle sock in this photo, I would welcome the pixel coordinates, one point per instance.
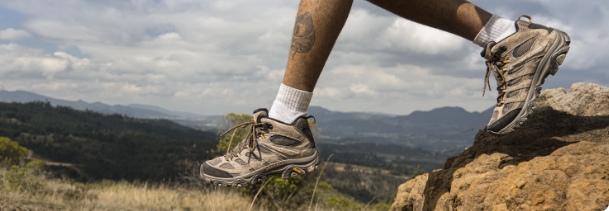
(510, 31)
(290, 104)
(495, 29)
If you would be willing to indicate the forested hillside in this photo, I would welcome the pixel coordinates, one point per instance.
(106, 146)
(369, 171)
(394, 158)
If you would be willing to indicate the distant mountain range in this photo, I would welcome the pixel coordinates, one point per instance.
(446, 128)
(133, 110)
(209, 123)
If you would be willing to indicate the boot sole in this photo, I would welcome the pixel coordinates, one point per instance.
(285, 168)
(547, 66)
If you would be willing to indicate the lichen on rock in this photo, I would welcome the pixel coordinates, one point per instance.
(557, 160)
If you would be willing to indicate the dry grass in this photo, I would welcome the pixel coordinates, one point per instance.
(57, 195)
(167, 198)
(27, 188)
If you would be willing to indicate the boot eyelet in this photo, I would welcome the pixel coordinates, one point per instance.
(269, 126)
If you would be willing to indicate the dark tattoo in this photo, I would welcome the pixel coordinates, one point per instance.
(304, 34)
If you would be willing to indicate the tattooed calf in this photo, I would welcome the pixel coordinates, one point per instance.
(304, 33)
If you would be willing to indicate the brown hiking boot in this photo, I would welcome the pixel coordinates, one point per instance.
(520, 63)
(271, 147)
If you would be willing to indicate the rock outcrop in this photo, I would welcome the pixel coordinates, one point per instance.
(557, 160)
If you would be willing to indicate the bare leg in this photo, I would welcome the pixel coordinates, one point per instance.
(319, 23)
(317, 27)
(455, 16)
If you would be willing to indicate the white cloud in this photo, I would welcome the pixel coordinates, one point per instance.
(21, 60)
(214, 57)
(13, 34)
(326, 92)
(406, 34)
(172, 36)
(362, 89)
(402, 88)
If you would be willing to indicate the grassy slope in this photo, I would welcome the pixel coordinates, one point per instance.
(34, 191)
(58, 195)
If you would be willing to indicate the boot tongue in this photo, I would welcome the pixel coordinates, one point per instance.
(260, 113)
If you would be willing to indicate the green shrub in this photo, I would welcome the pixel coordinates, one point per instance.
(24, 178)
(279, 188)
(10, 152)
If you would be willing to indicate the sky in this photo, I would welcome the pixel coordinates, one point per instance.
(219, 56)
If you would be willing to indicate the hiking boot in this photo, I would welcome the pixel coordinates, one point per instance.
(520, 63)
(271, 147)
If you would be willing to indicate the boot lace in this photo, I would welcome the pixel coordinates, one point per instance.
(251, 139)
(496, 65)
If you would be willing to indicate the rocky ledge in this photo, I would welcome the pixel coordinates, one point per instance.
(557, 160)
